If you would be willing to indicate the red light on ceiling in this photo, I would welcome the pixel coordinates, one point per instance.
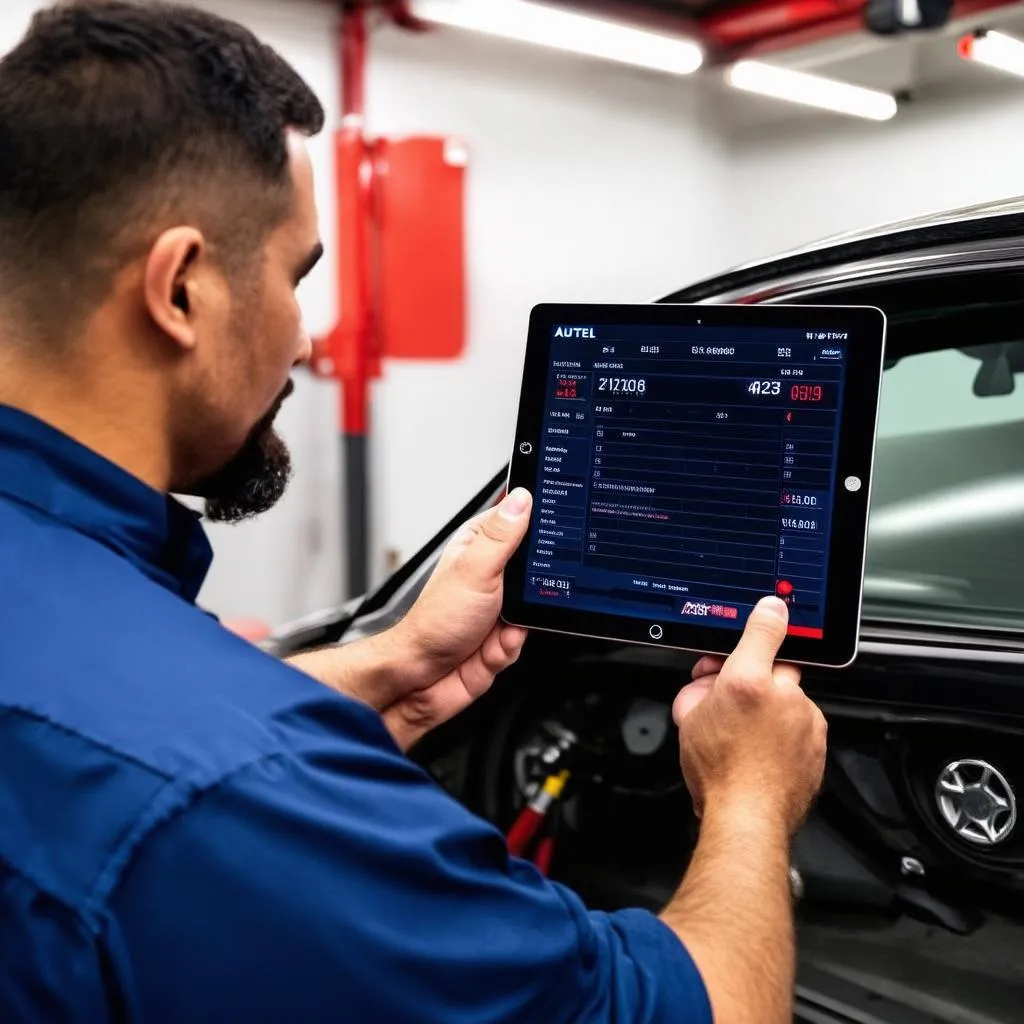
(965, 47)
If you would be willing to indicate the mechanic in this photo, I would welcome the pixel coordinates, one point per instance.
(191, 830)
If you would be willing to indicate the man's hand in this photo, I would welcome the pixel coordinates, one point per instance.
(753, 753)
(749, 736)
(452, 633)
(447, 651)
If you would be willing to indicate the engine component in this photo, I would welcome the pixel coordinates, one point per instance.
(645, 726)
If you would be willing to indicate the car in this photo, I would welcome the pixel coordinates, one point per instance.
(909, 873)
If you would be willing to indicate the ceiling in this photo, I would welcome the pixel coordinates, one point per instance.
(692, 8)
(827, 37)
(834, 41)
(733, 28)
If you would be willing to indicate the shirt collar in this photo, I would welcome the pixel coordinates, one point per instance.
(55, 475)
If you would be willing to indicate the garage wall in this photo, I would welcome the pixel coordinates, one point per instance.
(815, 176)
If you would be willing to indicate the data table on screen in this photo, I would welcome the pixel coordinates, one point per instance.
(684, 473)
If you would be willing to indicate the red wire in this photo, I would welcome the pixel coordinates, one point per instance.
(522, 832)
(545, 854)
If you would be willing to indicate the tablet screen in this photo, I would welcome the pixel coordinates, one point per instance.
(684, 472)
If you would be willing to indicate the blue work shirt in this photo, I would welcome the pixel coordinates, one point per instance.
(192, 831)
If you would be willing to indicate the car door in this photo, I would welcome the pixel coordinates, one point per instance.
(920, 809)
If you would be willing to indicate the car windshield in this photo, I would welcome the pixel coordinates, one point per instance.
(946, 541)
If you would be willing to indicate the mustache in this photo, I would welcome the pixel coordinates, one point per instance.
(286, 392)
(267, 421)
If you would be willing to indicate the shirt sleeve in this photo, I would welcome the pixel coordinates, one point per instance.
(338, 882)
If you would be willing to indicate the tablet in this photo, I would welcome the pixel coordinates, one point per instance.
(685, 461)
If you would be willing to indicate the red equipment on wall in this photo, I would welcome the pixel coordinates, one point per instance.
(422, 254)
(401, 272)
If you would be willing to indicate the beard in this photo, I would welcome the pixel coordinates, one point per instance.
(255, 479)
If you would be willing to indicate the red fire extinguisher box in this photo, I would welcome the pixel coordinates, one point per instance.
(420, 238)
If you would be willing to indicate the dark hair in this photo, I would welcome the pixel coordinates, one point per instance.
(119, 119)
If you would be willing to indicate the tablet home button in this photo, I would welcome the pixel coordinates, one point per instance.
(656, 632)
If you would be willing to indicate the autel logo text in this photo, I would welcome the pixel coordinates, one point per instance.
(575, 332)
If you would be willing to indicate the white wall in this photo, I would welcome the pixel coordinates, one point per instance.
(814, 177)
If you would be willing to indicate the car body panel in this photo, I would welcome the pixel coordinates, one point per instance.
(970, 234)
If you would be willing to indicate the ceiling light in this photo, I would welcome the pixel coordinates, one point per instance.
(995, 50)
(811, 90)
(564, 30)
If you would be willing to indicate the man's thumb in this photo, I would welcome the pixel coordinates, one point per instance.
(762, 637)
(496, 535)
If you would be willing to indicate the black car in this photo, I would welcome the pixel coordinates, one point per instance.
(910, 872)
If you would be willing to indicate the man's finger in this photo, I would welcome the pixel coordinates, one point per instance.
(786, 675)
(690, 698)
(498, 652)
(496, 535)
(503, 647)
(761, 640)
(709, 665)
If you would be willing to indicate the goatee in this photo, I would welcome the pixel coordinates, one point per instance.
(256, 478)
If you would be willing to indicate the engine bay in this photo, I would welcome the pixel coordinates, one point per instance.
(891, 883)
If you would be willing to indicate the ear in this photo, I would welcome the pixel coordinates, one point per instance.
(170, 284)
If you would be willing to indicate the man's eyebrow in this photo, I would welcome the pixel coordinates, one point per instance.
(310, 261)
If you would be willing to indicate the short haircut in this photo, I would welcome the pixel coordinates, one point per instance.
(119, 119)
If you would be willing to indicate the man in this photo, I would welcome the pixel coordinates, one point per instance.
(189, 829)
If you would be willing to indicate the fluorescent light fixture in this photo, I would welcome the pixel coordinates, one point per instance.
(565, 30)
(811, 90)
(995, 50)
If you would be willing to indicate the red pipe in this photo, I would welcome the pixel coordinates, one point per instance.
(348, 353)
(773, 25)
(353, 64)
(354, 169)
(404, 18)
(743, 25)
(761, 27)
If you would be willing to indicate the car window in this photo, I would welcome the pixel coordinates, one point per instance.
(946, 541)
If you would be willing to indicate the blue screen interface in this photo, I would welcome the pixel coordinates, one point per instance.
(686, 472)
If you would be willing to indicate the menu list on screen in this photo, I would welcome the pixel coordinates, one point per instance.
(686, 472)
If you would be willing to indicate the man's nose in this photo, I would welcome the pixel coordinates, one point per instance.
(305, 353)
